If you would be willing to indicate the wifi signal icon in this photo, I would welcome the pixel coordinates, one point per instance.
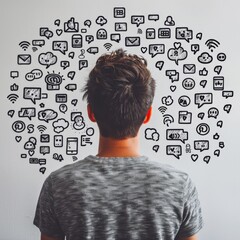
(212, 43)
(12, 97)
(24, 45)
(41, 128)
(107, 46)
(162, 109)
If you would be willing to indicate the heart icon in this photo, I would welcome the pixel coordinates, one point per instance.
(194, 157)
(31, 152)
(177, 45)
(143, 49)
(59, 32)
(18, 138)
(173, 88)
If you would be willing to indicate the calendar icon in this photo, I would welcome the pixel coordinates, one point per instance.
(119, 12)
(164, 33)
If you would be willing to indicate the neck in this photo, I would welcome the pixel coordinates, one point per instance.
(110, 147)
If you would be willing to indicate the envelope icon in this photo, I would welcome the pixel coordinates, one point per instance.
(132, 41)
(24, 59)
(44, 138)
(189, 68)
(71, 26)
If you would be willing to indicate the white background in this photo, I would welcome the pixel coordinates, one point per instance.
(217, 182)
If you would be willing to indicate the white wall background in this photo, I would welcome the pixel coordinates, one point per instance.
(218, 182)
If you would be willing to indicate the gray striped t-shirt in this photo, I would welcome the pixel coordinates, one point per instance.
(131, 198)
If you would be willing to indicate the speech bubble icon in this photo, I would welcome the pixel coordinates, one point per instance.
(42, 170)
(227, 94)
(153, 17)
(63, 108)
(184, 33)
(221, 144)
(201, 145)
(87, 23)
(203, 98)
(137, 19)
(34, 74)
(71, 74)
(32, 93)
(195, 48)
(213, 112)
(218, 69)
(175, 150)
(151, 134)
(177, 53)
(177, 134)
(83, 64)
(44, 150)
(217, 152)
(27, 112)
(201, 115)
(11, 113)
(71, 87)
(61, 46)
(199, 36)
(47, 115)
(227, 108)
(115, 37)
(89, 38)
(155, 148)
(14, 74)
(71, 55)
(47, 59)
(206, 159)
(74, 102)
(203, 83)
(38, 42)
(57, 22)
(220, 123)
(155, 49)
(42, 161)
(92, 50)
(159, 65)
(64, 64)
(48, 34)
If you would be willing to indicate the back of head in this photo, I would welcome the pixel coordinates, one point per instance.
(120, 91)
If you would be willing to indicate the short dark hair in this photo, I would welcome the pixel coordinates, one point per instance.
(120, 90)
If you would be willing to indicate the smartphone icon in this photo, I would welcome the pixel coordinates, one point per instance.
(72, 146)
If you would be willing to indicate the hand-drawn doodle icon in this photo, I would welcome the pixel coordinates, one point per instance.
(32, 94)
(71, 75)
(44, 150)
(213, 112)
(205, 58)
(65, 64)
(216, 136)
(199, 36)
(120, 26)
(184, 33)
(89, 38)
(164, 33)
(155, 49)
(78, 120)
(101, 20)
(47, 115)
(77, 40)
(188, 83)
(14, 87)
(119, 12)
(34, 74)
(53, 81)
(206, 159)
(184, 101)
(203, 83)
(60, 125)
(203, 98)
(203, 72)
(227, 108)
(71, 26)
(177, 135)
(23, 155)
(47, 59)
(221, 57)
(83, 64)
(153, 17)
(155, 148)
(72, 146)
(101, 34)
(61, 98)
(107, 46)
(85, 140)
(30, 128)
(18, 138)
(150, 33)
(71, 87)
(159, 65)
(175, 150)
(83, 30)
(167, 100)
(217, 152)
(12, 97)
(203, 129)
(220, 123)
(218, 83)
(58, 157)
(218, 69)
(221, 144)
(169, 21)
(59, 32)
(143, 49)
(38, 42)
(63, 108)
(24, 59)
(139, 31)
(44, 138)
(18, 126)
(138, 19)
(40, 161)
(188, 148)
(24, 45)
(201, 115)
(87, 23)
(30, 145)
(162, 109)
(212, 44)
(27, 112)
(42, 170)
(74, 102)
(11, 113)
(90, 131)
(45, 32)
(173, 75)
(93, 50)
(41, 128)
(184, 117)
(189, 68)
(173, 88)
(201, 145)
(177, 53)
(14, 74)
(167, 119)
(57, 22)
(116, 37)
(151, 134)
(58, 140)
(227, 94)
(61, 46)
(194, 157)
(71, 55)
(195, 48)
(132, 41)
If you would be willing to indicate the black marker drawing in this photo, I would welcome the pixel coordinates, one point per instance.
(188, 83)
(167, 119)
(176, 135)
(213, 112)
(151, 134)
(132, 41)
(150, 33)
(159, 65)
(174, 150)
(44, 138)
(201, 115)
(167, 100)
(11, 113)
(18, 126)
(44, 150)
(205, 58)
(201, 145)
(184, 33)
(58, 141)
(58, 157)
(184, 117)
(27, 112)
(14, 74)
(71, 75)
(227, 108)
(24, 45)
(38, 42)
(173, 88)
(120, 26)
(14, 87)
(162, 109)
(18, 138)
(217, 152)
(101, 34)
(89, 38)
(189, 68)
(71, 87)
(53, 81)
(34, 74)
(59, 32)
(169, 21)
(47, 115)
(30, 145)
(177, 53)
(221, 57)
(195, 48)
(85, 140)
(164, 33)
(63, 108)
(47, 59)
(72, 146)
(65, 64)
(173, 75)
(24, 59)
(227, 94)
(60, 125)
(184, 101)
(203, 98)
(41, 128)
(203, 72)
(32, 94)
(153, 17)
(61, 46)
(194, 157)
(116, 37)
(203, 83)
(83, 64)
(155, 148)
(101, 20)
(138, 19)
(203, 129)
(218, 83)
(74, 102)
(216, 136)
(212, 44)
(93, 50)
(77, 41)
(155, 49)
(88, 23)
(206, 159)
(45, 32)
(188, 148)
(12, 97)
(71, 26)
(199, 36)
(61, 98)
(119, 12)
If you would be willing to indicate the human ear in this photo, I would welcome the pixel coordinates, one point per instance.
(90, 113)
(148, 115)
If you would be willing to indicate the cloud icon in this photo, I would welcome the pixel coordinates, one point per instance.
(205, 58)
(167, 100)
(60, 125)
(101, 20)
(177, 53)
(47, 59)
(151, 134)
